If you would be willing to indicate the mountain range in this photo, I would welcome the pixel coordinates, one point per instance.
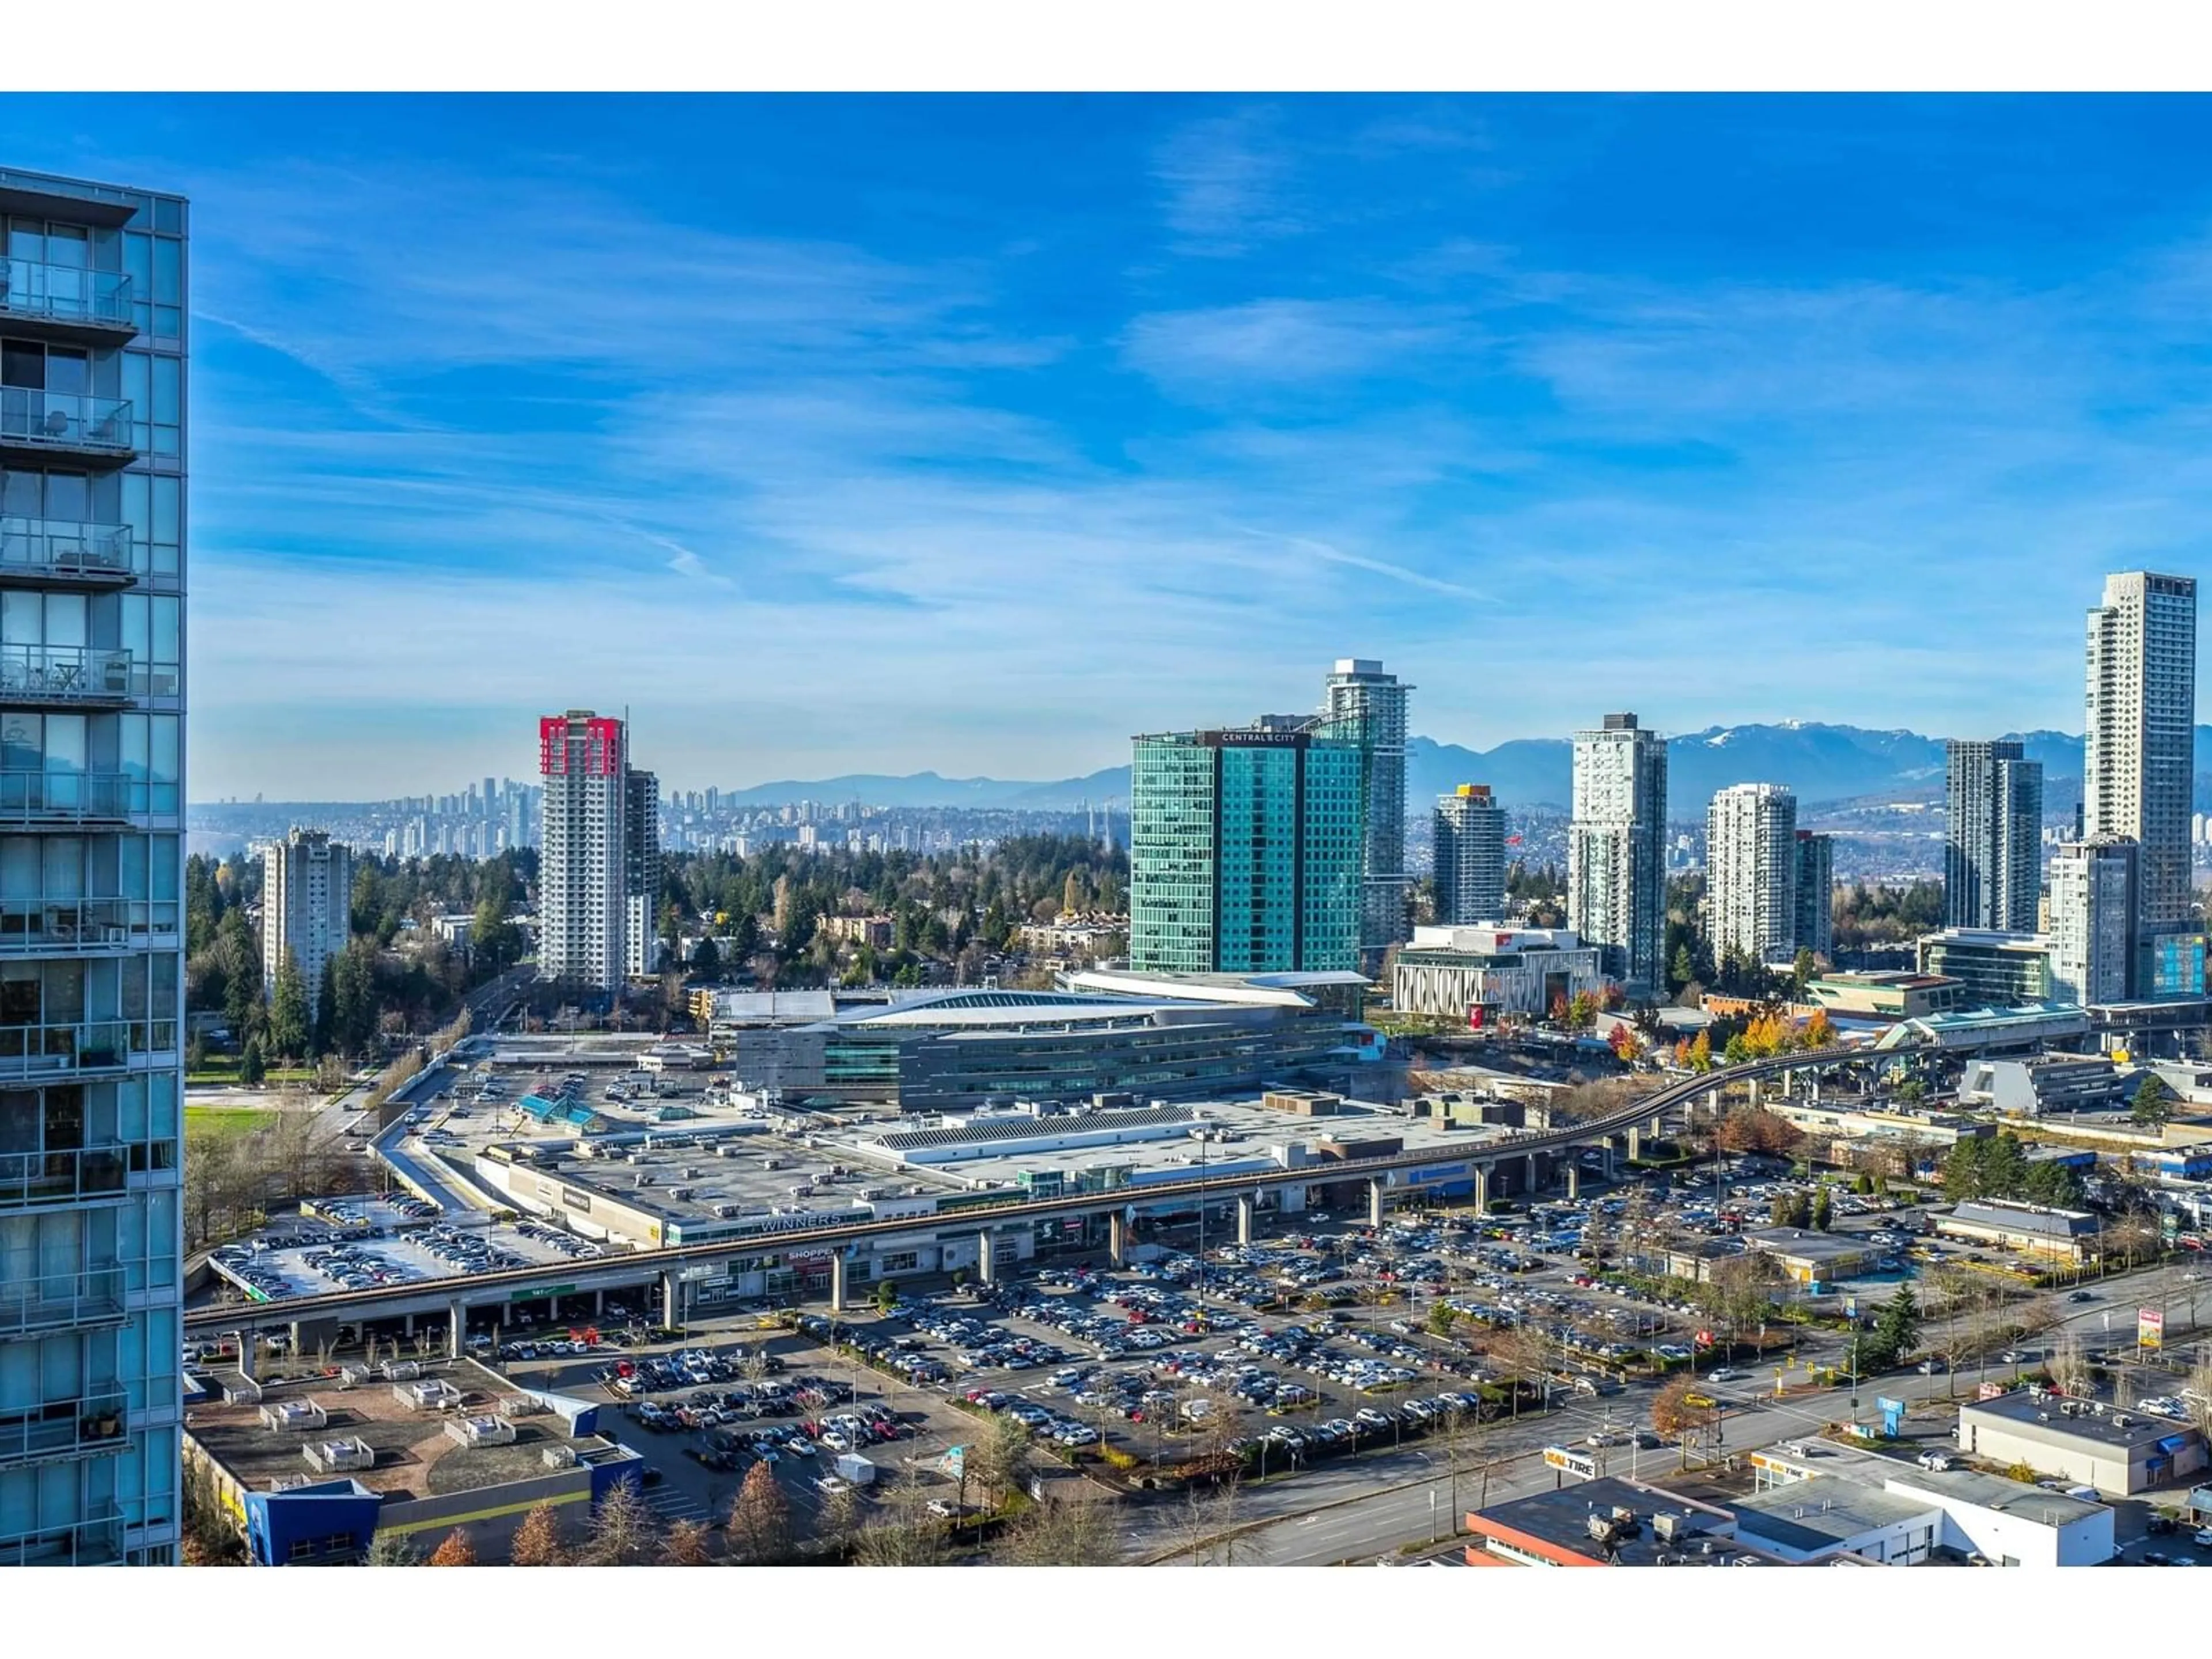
(1819, 762)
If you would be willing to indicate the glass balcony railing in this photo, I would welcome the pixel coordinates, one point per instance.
(63, 673)
(35, 1050)
(93, 1540)
(59, 1301)
(61, 1177)
(46, 926)
(75, 796)
(64, 294)
(93, 1423)
(65, 420)
(60, 547)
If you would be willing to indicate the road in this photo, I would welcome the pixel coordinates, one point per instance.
(1320, 1518)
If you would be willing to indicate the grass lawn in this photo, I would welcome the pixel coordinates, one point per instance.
(224, 1122)
(222, 1069)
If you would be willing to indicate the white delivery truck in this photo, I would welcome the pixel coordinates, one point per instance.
(856, 1469)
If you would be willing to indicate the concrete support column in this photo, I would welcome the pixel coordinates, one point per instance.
(671, 1301)
(1117, 1239)
(407, 1326)
(1529, 1185)
(1656, 1127)
(1753, 1085)
(1635, 1143)
(836, 1281)
(986, 1269)
(1482, 1189)
(1713, 1103)
(599, 1305)
(505, 1308)
(1574, 1179)
(1609, 1158)
(1375, 1201)
(457, 1321)
(1244, 1209)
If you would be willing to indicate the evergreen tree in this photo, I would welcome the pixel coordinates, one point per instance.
(326, 1009)
(1896, 1332)
(252, 1067)
(1824, 1211)
(1962, 1170)
(290, 1013)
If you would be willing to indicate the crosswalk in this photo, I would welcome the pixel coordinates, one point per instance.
(672, 1504)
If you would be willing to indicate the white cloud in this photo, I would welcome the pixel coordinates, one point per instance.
(1225, 182)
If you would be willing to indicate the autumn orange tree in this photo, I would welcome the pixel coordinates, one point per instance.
(454, 1549)
(537, 1540)
(1680, 1412)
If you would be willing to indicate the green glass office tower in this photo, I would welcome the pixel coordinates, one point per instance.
(1245, 850)
(92, 716)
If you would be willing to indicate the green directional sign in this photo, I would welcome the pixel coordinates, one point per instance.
(532, 1296)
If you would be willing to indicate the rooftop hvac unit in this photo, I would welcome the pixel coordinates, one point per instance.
(1600, 1526)
(679, 1193)
(1671, 1528)
(724, 1212)
(2119, 1420)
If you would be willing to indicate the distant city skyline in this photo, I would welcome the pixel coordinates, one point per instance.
(978, 433)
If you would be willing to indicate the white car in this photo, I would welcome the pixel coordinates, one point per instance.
(2202, 1538)
(1723, 1374)
(1934, 1459)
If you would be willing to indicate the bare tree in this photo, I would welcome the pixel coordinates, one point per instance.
(2069, 1366)
(622, 1529)
(904, 1534)
(1001, 1457)
(1063, 1533)
(1209, 1526)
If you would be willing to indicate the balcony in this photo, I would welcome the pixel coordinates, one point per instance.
(95, 1539)
(37, 1179)
(39, 426)
(42, 1052)
(62, 1302)
(74, 1428)
(59, 552)
(63, 677)
(87, 798)
(66, 302)
(62, 926)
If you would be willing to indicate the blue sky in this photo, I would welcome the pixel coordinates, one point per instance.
(893, 433)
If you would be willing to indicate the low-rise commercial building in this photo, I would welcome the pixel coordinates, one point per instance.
(1607, 1522)
(1959, 1513)
(2041, 1085)
(1476, 973)
(389, 1468)
(1807, 1257)
(1884, 994)
(1154, 1035)
(2086, 1441)
(2031, 1229)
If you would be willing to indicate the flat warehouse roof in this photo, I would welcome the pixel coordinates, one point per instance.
(2047, 1419)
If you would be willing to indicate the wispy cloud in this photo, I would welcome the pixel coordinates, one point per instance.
(1226, 183)
(1285, 341)
(976, 437)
